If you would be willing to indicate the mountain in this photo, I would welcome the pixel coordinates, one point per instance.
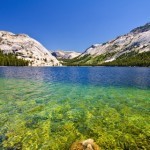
(130, 49)
(27, 48)
(65, 54)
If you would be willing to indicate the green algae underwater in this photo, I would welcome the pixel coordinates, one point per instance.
(52, 115)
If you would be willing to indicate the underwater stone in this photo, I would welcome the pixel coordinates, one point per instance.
(88, 144)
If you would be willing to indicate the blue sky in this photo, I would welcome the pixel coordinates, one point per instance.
(73, 24)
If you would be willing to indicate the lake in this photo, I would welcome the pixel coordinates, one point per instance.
(49, 108)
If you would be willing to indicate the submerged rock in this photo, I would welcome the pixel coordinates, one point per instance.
(88, 144)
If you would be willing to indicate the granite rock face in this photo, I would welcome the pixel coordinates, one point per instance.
(138, 40)
(27, 48)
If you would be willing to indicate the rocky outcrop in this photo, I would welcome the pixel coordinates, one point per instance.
(65, 54)
(141, 29)
(26, 48)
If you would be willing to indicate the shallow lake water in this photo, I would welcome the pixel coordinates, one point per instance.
(49, 108)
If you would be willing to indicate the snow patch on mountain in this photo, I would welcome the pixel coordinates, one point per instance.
(65, 54)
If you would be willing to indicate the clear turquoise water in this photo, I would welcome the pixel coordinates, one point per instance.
(50, 108)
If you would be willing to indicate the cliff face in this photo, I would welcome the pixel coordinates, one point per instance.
(26, 48)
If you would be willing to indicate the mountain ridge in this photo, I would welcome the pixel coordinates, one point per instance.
(130, 45)
(137, 41)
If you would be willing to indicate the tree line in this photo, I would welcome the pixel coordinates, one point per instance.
(11, 60)
(127, 59)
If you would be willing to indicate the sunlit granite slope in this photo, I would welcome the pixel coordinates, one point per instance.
(26, 48)
(137, 40)
(135, 43)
